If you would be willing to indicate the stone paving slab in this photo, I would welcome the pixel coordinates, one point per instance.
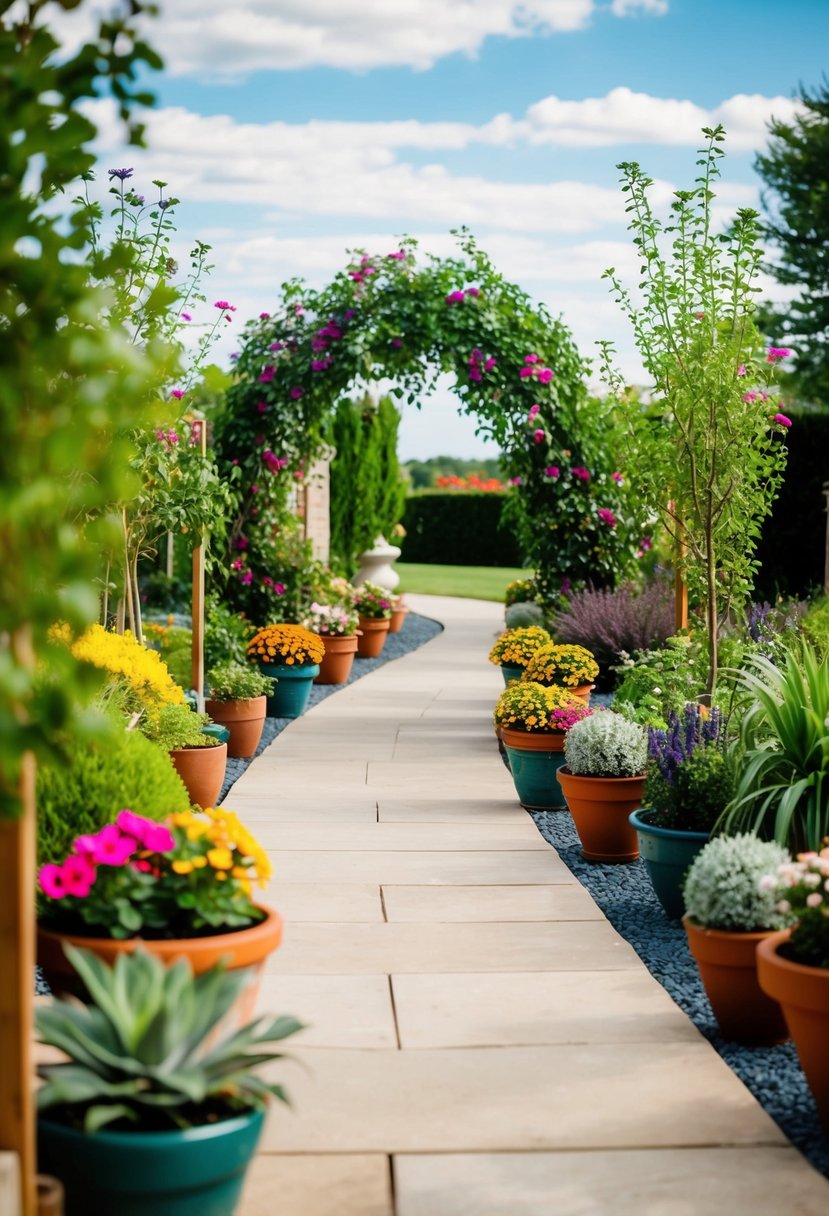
(413, 868)
(337, 1010)
(403, 837)
(455, 810)
(439, 905)
(317, 1184)
(767, 1181)
(319, 902)
(261, 809)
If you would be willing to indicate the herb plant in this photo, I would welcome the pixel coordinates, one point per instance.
(237, 682)
(723, 888)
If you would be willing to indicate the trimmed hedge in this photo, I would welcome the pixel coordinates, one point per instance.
(457, 529)
(792, 546)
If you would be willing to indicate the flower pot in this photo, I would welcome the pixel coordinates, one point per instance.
(202, 769)
(582, 691)
(511, 671)
(336, 664)
(293, 687)
(195, 1172)
(667, 854)
(244, 719)
(803, 993)
(601, 808)
(727, 962)
(398, 618)
(240, 948)
(372, 637)
(534, 760)
(376, 565)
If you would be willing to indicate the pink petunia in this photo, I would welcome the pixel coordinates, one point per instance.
(112, 847)
(130, 823)
(78, 876)
(159, 839)
(50, 878)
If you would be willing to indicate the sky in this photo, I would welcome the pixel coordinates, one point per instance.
(294, 130)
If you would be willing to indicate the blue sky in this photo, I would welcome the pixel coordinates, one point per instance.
(294, 129)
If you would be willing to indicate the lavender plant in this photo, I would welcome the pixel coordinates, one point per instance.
(613, 623)
(691, 770)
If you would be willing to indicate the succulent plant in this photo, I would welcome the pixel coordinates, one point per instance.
(606, 745)
(524, 613)
(723, 888)
(139, 1051)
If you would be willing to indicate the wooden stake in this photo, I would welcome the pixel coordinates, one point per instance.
(681, 596)
(197, 666)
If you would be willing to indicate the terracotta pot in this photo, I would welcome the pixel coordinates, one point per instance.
(600, 807)
(245, 721)
(803, 993)
(336, 663)
(398, 618)
(582, 691)
(202, 769)
(533, 741)
(727, 963)
(372, 637)
(248, 948)
(50, 1196)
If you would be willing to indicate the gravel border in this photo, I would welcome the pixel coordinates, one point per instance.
(625, 895)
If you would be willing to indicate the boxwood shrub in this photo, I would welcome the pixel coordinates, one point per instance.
(456, 529)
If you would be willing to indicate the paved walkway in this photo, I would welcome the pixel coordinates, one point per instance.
(481, 1042)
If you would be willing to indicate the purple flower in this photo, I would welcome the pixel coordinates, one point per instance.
(473, 291)
(185, 316)
(262, 407)
(490, 363)
(515, 481)
(320, 365)
(775, 353)
(264, 316)
(475, 373)
(241, 543)
(121, 174)
(397, 342)
(177, 393)
(296, 392)
(224, 306)
(268, 374)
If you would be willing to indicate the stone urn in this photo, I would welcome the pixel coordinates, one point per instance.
(376, 565)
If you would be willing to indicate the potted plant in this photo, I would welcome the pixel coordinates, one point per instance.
(572, 667)
(533, 721)
(199, 759)
(181, 888)
(689, 782)
(238, 699)
(729, 911)
(399, 612)
(336, 625)
(292, 654)
(514, 649)
(793, 965)
(373, 606)
(603, 780)
(149, 1115)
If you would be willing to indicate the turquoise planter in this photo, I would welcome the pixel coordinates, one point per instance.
(217, 731)
(534, 774)
(510, 672)
(198, 1172)
(293, 687)
(667, 854)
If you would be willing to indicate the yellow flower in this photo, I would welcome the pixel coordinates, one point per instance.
(183, 867)
(220, 859)
(199, 863)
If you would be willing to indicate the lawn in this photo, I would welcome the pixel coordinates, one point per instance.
(471, 582)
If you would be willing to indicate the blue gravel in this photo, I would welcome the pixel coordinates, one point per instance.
(625, 895)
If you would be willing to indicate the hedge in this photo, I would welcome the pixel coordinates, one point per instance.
(792, 546)
(457, 529)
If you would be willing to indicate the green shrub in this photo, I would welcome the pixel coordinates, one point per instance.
(177, 726)
(815, 625)
(520, 615)
(99, 780)
(458, 529)
(226, 634)
(238, 682)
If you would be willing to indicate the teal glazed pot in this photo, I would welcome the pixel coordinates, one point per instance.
(511, 672)
(534, 761)
(197, 1172)
(667, 854)
(292, 689)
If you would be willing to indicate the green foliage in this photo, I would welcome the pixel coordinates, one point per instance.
(367, 490)
(707, 454)
(655, 682)
(815, 626)
(783, 790)
(226, 633)
(140, 1053)
(722, 888)
(177, 726)
(71, 387)
(795, 168)
(700, 791)
(458, 529)
(606, 745)
(95, 781)
(520, 615)
(237, 682)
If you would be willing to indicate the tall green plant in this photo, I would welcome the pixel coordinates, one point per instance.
(707, 454)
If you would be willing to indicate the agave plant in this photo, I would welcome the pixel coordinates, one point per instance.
(140, 1050)
(783, 790)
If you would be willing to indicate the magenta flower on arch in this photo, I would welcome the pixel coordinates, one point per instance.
(224, 306)
(607, 517)
(552, 470)
(534, 409)
(545, 376)
(539, 436)
(296, 392)
(268, 374)
(782, 420)
(581, 473)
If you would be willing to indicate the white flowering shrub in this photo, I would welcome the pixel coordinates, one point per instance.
(724, 888)
(606, 745)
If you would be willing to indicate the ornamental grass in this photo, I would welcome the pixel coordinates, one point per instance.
(539, 708)
(570, 666)
(516, 647)
(288, 645)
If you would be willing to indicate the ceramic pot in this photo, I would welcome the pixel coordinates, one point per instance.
(510, 672)
(803, 993)
(244, 719)
(195, 1172)
(292, 689)
(372, 637)
(376, 565)
(727, 965)
(534, 760)
(601, 808)
(336, 663)
(398, 618)
(202, 769)
(667, 854)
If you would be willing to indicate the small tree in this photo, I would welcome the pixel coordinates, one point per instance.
(707, 453)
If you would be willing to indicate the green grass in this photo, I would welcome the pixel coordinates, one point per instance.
(471, 582)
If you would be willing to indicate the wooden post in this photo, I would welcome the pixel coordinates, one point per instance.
(17, 961)
(197, 666)
(681, 595)
(826, 556)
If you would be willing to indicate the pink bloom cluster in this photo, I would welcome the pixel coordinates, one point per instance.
(581, 472)
(563, 719)
(276, 588)
(398, 256)
(534, 410)
(168, 438)
(539, 435)
(617, 477)
(782, 420)
(533, 367)
(177, 394)
(366, 270)
(274, 462)
(114, 845)
(478, 365)
(458, 297)
(607, 517)
(552, 470)
(775, 353)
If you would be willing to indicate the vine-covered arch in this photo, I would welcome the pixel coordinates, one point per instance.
(516, 369)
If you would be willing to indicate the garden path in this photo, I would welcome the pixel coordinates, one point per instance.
(480, 1042)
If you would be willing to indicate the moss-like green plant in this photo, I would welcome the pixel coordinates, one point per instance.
(723, 888)
(177, 726)
(606, 745)
(524, 613)
(238, 682)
